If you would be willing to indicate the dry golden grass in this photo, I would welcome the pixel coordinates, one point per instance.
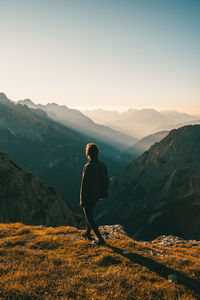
(39, 262)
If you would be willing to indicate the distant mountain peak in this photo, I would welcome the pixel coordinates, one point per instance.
(52, 104)
(4, 99)
(27, 101)
(3, 95)
(57, 106)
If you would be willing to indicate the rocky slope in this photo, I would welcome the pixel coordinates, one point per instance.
(25, 198)
(159, 192)
(39, 262)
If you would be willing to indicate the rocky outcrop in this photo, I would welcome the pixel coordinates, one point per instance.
(112, 229)
(159, 192)
(25, 198)
(170, 240)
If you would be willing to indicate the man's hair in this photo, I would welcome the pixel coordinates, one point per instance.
(92, 150)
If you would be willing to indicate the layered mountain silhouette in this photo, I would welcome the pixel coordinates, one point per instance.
(142, 122)
(111, 140)
(102, 116)
(37, 143)
(159, 193)
(55, 152)
(27, 199)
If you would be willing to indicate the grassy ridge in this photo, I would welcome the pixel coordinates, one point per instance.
(38, 262)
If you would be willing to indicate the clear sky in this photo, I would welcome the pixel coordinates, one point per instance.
(133, 53)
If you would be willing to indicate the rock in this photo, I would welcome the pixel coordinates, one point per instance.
(126, 252)
(170, 240)
(172, 278)
(112, 229)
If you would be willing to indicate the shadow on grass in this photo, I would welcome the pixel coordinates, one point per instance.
(160, 269)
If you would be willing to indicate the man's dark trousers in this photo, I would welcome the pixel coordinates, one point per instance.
(88, 211)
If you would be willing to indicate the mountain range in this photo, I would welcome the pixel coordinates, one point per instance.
(142, 122)
(159, 192)
(111, 140)
(51, 150)
(55, 152)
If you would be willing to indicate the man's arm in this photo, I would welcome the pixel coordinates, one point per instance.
(105, 181)
(84, 187)
(105, 175)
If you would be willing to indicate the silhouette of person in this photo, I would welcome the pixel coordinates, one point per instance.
(94, 186)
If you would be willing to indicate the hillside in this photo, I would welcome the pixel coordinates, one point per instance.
(142, 145)
(25, 198)
(38, 262)
(159, 192)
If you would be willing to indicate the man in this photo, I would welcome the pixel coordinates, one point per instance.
(94, 186)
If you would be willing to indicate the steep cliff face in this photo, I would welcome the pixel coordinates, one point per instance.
(159, 193)
(25, 198)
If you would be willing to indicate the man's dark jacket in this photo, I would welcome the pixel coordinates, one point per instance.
(94, 184)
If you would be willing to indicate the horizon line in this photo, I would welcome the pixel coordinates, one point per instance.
(192, 110)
